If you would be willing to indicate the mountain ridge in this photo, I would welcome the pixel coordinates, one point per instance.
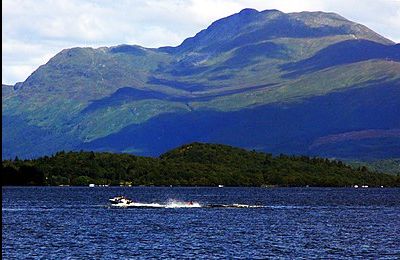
(249, 60)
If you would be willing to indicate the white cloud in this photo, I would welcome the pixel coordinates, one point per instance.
(33, 31)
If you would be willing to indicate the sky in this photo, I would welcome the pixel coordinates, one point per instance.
(33, 31)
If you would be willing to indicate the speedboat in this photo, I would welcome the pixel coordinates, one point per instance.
(124, 202)
(121, 201)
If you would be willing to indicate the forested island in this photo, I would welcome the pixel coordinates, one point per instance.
(195, 164)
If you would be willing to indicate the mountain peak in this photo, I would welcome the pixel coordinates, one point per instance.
(250, 26)
(248, 11)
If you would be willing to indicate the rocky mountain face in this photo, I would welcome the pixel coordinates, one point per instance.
(308, 83)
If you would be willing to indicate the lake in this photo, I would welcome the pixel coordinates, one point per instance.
(78, 222)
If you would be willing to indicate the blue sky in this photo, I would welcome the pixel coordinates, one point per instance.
(35, 30)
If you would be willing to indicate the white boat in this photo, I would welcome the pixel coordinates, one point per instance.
(120, 200)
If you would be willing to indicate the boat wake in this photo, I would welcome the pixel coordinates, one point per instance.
(181, 204)
(235, 205)
(123, 202)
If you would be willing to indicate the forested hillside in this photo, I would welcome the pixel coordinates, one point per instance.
(195, 164)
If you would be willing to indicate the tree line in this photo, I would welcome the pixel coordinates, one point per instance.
(195, 164)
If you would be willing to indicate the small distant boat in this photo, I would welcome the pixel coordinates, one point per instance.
(121, 201)
(220, 186)
(364, 186)
(91, 185)
(355, 186)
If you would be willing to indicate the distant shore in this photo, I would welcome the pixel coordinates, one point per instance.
(195, 164)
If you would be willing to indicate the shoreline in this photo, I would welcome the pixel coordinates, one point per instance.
(216, 187)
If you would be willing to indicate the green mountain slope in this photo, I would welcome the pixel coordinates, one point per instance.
(249, 60)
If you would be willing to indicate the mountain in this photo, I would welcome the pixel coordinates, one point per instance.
(309, 83)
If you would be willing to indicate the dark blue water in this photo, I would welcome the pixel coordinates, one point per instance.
(76, 223)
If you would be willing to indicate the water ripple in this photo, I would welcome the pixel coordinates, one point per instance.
(76, 223)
